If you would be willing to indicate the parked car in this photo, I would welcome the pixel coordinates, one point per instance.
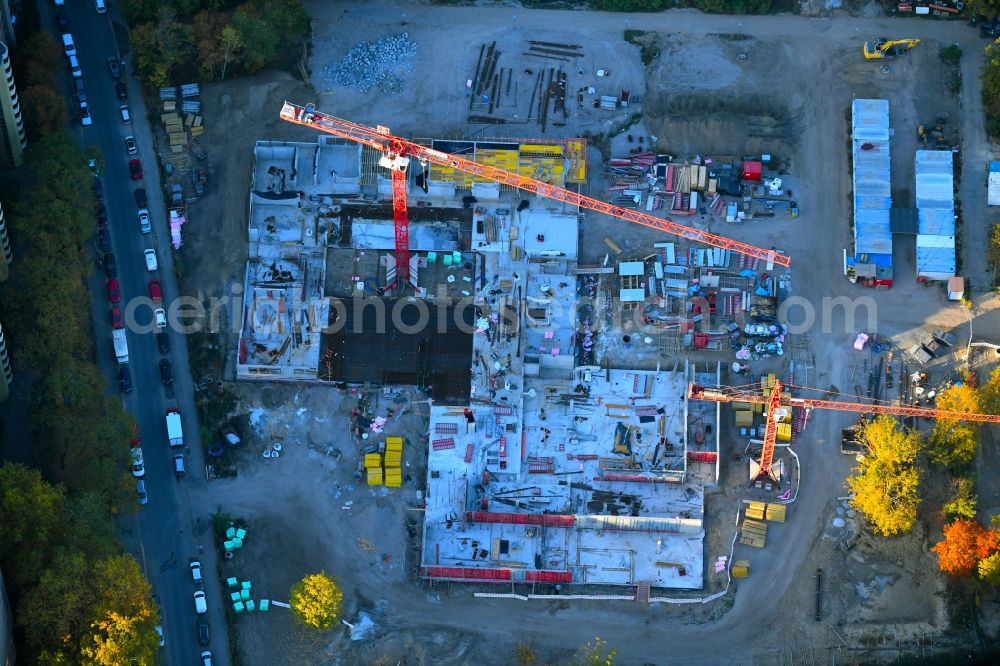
(203, 635)
(117, 320)
(124, 380)
(114, 67)
(98, 189)
(990, 28)
(125, 113)
(62, 19)
(102, 215)
(110, 265)
(206, 658)
(196, 572)
(150, 256)
(166, 372)
(80, 93)
(68, 46)
(85, 118)
(121, 90)
(155, 293)
(138, 464)
(160, 316)
(144, 225)
(130, 146)
(159, 632)
(163, 342)
(101, 6)
(74, 68)
(104, 239)
(140, 198)
(114, 291)
(140, 490)
(135, 170)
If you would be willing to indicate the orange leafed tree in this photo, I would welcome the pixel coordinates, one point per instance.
(966, 542)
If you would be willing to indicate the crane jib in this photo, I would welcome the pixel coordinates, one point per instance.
(382, 140)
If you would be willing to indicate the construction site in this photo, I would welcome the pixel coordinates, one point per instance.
(533, 335)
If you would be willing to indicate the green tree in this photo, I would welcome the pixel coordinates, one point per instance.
(44, 110)
(260, 38)
(54, 612)
(146, 56)
(989, 569)
(989, 394)
(594, 654)
(207, 29)
(316, 601)
(963, 503)
(993, 250)
(985, 8)
(122, 628)
(34, 514)
(885, 487)
(232, 47)
(175, 40)
(38, 60)
(289, 18)
(140, 11)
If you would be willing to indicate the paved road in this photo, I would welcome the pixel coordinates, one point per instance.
(165, 533)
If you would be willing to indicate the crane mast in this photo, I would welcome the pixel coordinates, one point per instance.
(381, 140)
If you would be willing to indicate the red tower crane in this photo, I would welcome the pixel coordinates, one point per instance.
(397, 148)
(776, 400)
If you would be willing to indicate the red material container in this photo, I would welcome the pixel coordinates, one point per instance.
(752, 170)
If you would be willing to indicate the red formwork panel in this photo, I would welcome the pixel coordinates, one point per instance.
(467, 573)
(548, 576)
(548, 520)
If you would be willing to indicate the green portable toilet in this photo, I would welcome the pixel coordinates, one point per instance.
(237, 542)
(264, 605)
(241, 533)
(234, 596)
(446, 260)
(456, 258)
(431, 258)
(250, 606)
(228, 545)
(239, 607)
(244, 594)
(232, 582)
(230, 532)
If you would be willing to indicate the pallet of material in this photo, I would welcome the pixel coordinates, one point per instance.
(169, 106)
(741, 568)
(198, 130)
(392, 459)
(743, 418)
(753, 540)
(396, 443)
(375, 477)
(755, 514)
(776, 513)
(170, 118)
(393, 478)
(177, 150)
(197, 121)
(178, 139)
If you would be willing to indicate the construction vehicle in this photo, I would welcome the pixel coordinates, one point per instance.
(762, 469)
(879, 49)
(398, 152)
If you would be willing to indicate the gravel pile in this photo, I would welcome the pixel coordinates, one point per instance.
(375, 64)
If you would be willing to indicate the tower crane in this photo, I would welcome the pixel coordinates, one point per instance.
(775, 400)
(397, 153)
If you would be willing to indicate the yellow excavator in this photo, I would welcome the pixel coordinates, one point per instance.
(877, 49)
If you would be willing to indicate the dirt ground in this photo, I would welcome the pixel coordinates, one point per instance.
(789, 96)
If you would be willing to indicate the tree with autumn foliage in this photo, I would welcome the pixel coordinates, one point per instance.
(884, 489)
(953, 443)
(316, 601)
(966, 543)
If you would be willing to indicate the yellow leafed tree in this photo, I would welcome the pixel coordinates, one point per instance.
(316, 600)
(885, 487)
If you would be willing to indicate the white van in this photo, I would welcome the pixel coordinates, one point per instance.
(68, 44)
(101, 6)
(150, 255)
(199, 602)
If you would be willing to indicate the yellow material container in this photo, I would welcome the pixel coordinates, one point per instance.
(741, 568)
(392, 459)
(784, 432)
(755, 514)
(758, 506)
(372, 460)
(393, 444)
(375, 477)
(744, 418)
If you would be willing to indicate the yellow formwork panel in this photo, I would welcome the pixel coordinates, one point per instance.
(784, 432)
(375, 477)
(372, 460)
(776, 513)
(395, 440)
